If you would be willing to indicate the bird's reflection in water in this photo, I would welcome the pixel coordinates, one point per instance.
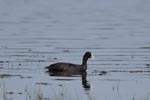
(85, 83)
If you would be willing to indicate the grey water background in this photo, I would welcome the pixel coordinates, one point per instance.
(36, 33)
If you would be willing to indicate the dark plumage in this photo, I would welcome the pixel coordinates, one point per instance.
(69, 67)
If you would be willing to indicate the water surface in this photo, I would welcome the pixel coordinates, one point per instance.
(34, 34)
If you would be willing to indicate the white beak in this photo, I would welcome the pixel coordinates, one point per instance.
(92, 56)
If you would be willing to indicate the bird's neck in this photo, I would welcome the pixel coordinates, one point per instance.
(84, 63)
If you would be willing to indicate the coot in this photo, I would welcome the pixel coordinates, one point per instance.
(69, 67)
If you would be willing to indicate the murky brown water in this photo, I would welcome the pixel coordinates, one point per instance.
(34, 34)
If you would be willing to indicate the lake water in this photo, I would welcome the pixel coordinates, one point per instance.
(35, 34)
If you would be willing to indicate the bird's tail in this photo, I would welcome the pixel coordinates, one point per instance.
(46, 67)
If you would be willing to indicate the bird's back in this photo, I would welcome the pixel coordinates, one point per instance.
(64, 67)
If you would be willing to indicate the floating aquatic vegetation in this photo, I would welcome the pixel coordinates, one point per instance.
(99, 72)
(43, 83)
(8, 75)
(1, 61)
(103, 72)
